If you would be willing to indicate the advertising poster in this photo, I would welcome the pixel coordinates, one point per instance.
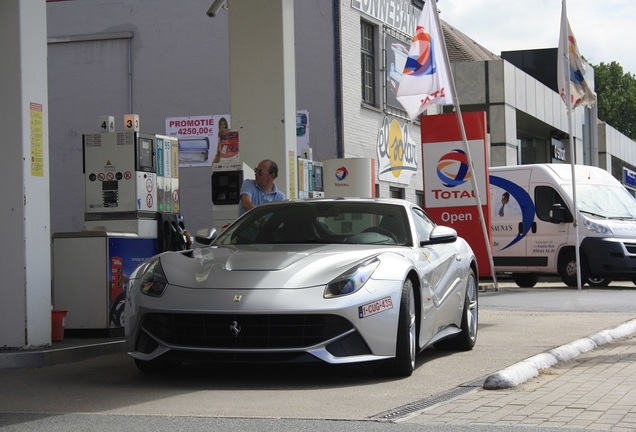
(228, 151)
(397, 52)
(302, 132)
(397, 154)
(198, 136)
(124, 255)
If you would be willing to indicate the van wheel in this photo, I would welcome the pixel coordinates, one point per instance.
(598, 281)
(567, 268)
(525, 280)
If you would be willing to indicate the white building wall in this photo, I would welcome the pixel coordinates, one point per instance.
(178, 68)
(362, 123)
(614, 143)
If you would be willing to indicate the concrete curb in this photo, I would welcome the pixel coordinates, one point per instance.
(52, 356)
(529, 368)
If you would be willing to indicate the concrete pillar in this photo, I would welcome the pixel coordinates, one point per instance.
(25, 263)
(263, 83)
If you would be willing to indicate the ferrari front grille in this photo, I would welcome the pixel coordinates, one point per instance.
(232, 331)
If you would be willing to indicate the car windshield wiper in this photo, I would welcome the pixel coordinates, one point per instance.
(623, 218)
(300, 241)
(594, 214)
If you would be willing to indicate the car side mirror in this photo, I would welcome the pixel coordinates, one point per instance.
(559, 214)
(206, 235)
(439, 235)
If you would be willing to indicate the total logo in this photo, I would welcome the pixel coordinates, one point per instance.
(341, 173)
(423, 61)
(453, 168)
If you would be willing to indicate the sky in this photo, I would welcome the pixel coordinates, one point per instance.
(604, 30)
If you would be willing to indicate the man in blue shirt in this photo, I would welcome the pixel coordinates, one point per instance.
(262, 189)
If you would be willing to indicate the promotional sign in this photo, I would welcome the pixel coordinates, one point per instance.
(449, 196)
(349, 177)
(198, 136)
(397, 52)
(397, 155)
(124, 255)
(229, 147)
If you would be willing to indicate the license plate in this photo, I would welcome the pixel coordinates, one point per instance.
(375, 307)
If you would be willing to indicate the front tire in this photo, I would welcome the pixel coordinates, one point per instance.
(598, 282)
(403, 364)
(567, 268)
(466, 339)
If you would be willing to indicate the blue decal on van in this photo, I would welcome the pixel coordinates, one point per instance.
(525, 203)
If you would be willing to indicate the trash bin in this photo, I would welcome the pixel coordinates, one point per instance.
(57, 324)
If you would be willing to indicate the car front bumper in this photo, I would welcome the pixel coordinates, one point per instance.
(258, 325)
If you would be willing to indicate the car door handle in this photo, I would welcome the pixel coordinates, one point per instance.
(533, 227)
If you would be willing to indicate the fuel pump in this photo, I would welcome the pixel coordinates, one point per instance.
(227, 179)
(120, 176)
(131, 212)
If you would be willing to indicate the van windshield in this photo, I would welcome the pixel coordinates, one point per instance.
(606, 201)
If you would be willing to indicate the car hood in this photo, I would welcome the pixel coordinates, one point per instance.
(263, 266)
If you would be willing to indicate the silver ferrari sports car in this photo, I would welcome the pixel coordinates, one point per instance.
(333, 280)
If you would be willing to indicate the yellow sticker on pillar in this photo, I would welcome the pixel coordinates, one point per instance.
(37, 156)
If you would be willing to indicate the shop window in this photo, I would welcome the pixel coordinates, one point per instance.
(419, 198)
(368, 69)
(396, 192)
(534, 150)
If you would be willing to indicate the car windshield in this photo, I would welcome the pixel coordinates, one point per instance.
(329, 222)
(605, 201)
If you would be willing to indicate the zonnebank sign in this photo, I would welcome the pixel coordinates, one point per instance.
(399, 14)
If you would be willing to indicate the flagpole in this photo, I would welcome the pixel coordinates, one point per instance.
(568, 103)
(462, 129)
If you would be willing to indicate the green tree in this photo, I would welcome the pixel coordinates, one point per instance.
(616, 97)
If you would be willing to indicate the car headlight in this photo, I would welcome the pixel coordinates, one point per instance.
(153, 281)
(597, 227)
(351, 280)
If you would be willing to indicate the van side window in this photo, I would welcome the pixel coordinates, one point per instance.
(544, 198)
(423, 225)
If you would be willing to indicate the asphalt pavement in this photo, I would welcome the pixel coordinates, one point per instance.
(587, 383)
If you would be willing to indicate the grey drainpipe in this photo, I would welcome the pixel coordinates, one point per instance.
(337, 54)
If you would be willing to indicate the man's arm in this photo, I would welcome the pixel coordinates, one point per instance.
(246, 202)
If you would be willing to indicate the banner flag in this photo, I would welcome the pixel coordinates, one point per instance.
(570, 60)
(426, 78)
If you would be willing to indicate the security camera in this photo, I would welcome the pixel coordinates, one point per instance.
(216, 6)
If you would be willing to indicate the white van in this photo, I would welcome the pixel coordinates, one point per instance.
(533, 230)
